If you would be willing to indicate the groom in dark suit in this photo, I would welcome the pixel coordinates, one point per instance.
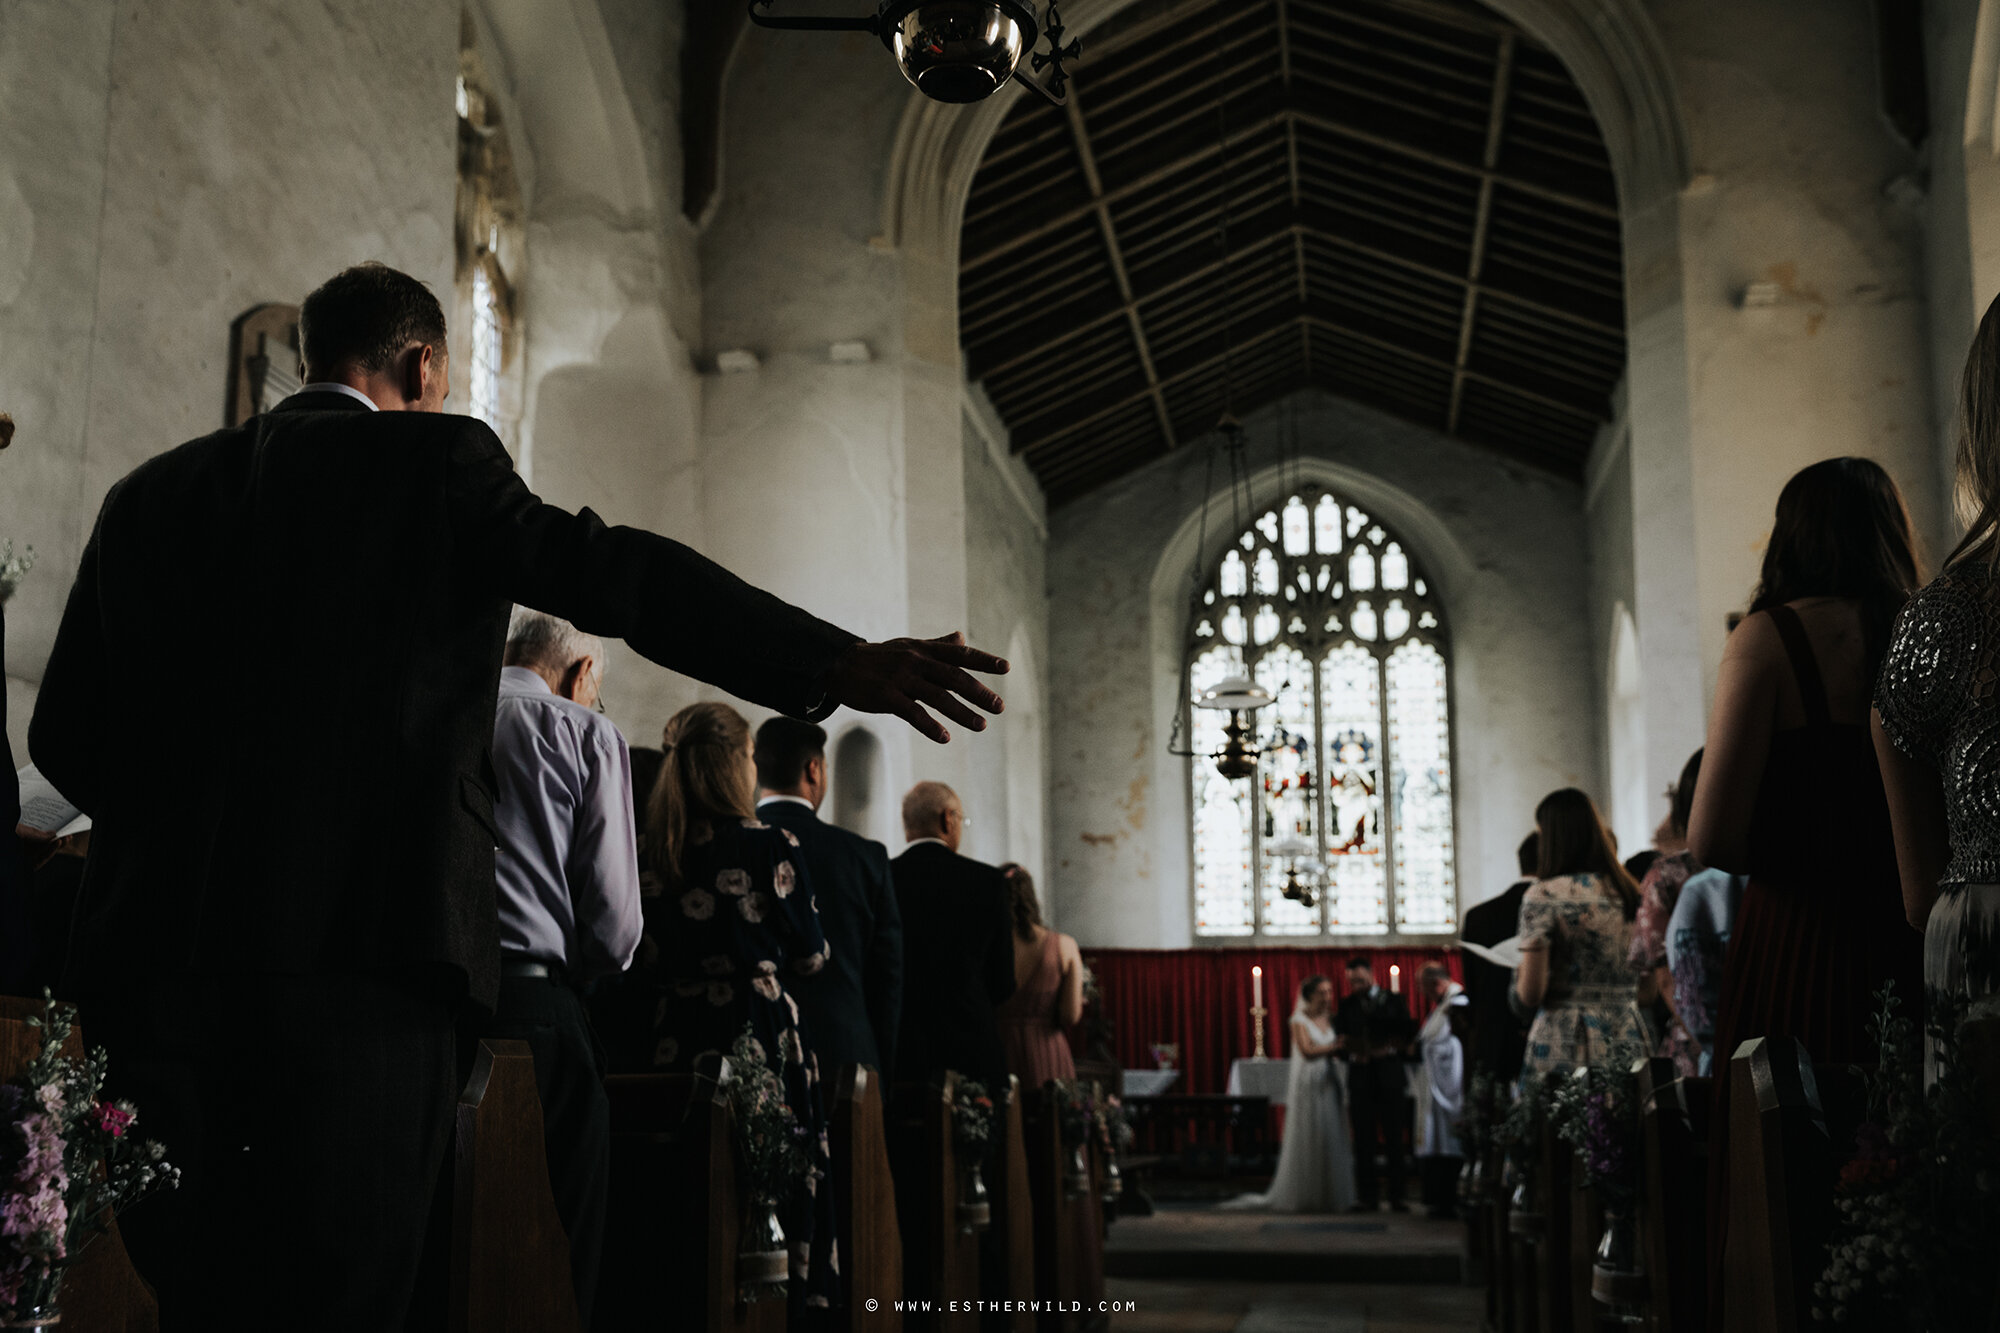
(958, 946)
(852, 1005)
(290, 898)
(1378, 1029)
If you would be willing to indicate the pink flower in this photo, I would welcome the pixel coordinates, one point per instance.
(784, 878)
(114, 1118)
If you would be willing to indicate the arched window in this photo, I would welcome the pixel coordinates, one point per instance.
(1326, 609)
(489, 247)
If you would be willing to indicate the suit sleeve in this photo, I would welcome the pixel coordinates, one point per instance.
(66, 734)
(882, 979)
(1000, 951)
(678, 608)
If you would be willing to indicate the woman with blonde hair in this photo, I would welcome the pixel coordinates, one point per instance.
(1048, 990)
(1937, 722)
(729, 916)
(1576, 937)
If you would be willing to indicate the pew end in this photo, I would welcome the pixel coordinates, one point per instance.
(1780, 1163)
(871, 1239)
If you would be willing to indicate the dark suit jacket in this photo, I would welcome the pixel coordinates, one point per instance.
(958, 964)
(1498, 1038)
(853, 1004)
(1372, 1019)
(273, 687)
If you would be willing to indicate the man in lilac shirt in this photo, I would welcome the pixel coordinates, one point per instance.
(568, 873)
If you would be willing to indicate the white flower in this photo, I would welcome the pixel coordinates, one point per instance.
(752, 907)
(735, 883)
(783, 878)
(790, 836)
(698, 904)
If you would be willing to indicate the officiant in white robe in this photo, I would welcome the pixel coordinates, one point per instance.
(1440, 1090)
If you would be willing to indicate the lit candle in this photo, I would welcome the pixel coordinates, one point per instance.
(1257, 987)
(1395, 979)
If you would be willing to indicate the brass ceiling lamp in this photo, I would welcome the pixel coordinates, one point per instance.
(1300, 870)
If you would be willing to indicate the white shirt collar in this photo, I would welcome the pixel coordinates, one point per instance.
(329, 386)
(774, 797)
(918, 842)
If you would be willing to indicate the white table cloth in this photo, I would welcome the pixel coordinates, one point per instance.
(1260, 1078)
(1149, 1082)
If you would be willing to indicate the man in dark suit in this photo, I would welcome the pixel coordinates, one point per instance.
(1499, 1039)
(290, 899)
(1378, 1029)
(958, 946)
(852, 1005)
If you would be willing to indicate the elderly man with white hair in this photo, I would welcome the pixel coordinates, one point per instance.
(567, 870)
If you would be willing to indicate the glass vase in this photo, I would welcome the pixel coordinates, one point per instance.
(1617, 1279)
(42, 1317)
(1076, 1177)
(1114, 1180)
(1524, 1217)
(762, 1261)
(975, 1208)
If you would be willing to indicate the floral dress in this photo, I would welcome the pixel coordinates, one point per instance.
(1588, 1016)
(1657, 897)
(714, 957)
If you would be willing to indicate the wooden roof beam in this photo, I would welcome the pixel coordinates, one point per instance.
(1087, 159)
(1496, 126)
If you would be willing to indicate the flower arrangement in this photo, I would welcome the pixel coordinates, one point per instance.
(971, 1119)
(1518, 1131)
(1166, 1054)
(1076, 1107)
(13, 568)
(1595, 1111)
(1917, 1203)
(1114, 1126)
(770, 1137)
(69, 1164)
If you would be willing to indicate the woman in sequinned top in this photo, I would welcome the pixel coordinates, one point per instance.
(1937, 723)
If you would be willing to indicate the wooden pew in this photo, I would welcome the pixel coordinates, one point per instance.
(1555, 1282)
(102, 1292)
(940, 1257)
(871, 1252)
(1013, 1213)
(1780, 1188)
(675, 1211)
(509, 1254)
(1069, 1227)
(1586, 1228)
(1673, 1217)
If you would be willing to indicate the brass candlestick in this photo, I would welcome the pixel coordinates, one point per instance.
(1257, 1012)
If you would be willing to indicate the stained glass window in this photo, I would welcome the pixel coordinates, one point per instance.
(1329, 612)
(1222, 900)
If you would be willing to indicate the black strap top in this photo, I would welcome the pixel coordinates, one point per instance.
(1822, 821)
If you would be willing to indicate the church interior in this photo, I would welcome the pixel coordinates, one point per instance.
(1353, 421)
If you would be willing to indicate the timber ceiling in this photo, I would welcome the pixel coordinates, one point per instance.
(1405, 202)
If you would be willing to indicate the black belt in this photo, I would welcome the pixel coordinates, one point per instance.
(528, 967)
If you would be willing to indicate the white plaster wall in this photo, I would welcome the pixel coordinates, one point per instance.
(163, 167)
(1506, 546)
(1802, 184)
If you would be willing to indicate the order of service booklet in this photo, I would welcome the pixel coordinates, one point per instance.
(45, 809)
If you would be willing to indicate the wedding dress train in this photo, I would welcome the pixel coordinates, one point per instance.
(1316, 1163)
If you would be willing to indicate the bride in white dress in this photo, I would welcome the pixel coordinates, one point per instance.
(1316, 1164)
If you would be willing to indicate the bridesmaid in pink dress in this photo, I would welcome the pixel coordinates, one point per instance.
(1048, 992)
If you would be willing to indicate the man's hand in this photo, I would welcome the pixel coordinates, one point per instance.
(902, 675)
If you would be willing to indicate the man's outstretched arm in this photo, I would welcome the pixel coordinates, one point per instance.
(687, 613)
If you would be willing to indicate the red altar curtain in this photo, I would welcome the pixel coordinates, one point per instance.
(1200, 999)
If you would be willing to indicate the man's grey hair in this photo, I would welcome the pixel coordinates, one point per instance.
(537, 639)
(924, 807)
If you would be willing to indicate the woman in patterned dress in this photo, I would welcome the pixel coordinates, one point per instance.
(729, 916)
(1658, 893)
(1576, 937)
